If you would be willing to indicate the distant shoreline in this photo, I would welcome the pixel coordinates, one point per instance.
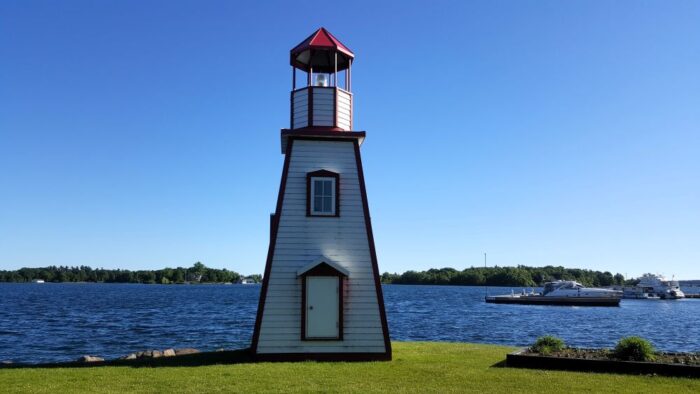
(198, 273)
(518, 276)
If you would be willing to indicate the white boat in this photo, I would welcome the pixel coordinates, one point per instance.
(638, 293)
(656, 286)
(38, 281)
(563, 292)
(571, 288)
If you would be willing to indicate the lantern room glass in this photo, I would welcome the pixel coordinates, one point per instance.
(330, 78)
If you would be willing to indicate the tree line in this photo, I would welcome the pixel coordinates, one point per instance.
(520, 276)
(198, 273)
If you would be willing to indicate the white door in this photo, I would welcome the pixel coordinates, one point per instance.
(322, 302)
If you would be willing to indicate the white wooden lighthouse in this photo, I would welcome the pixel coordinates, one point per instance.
(321, 297)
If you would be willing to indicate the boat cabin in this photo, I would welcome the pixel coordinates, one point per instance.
(561, 285)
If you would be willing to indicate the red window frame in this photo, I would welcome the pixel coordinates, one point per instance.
(322, 174)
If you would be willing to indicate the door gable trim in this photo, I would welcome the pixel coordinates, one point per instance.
(323, 266)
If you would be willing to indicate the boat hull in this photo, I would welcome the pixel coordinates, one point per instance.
(542, 300)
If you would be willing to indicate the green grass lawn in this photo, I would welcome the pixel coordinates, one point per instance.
(417, 367)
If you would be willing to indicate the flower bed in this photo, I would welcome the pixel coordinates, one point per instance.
(605, 360)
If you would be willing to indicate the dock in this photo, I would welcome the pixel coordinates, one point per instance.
(692, 296)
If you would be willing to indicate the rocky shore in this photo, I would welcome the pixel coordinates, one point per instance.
(142, 355)
(145, 354)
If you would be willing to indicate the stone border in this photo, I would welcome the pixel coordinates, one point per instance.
(519, 359)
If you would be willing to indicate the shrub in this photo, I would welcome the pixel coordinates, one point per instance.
(634, 349)
(547, 344)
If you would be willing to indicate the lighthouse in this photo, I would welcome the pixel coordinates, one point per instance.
(321, 297)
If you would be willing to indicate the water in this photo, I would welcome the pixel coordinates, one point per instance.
(60, 322)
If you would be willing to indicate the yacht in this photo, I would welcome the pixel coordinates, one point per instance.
(570, 288)
(562, 292)
(656, 286)
(637, 293)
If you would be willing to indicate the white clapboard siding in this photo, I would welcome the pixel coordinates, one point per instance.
(324, 106)
(284, 288)
(300, 108)
(282, 326)
(301, 239)
(296, 293)
(290, 269)
(331, 107)
(344, 109)
(368, 332)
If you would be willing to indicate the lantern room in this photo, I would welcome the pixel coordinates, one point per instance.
(321, 82)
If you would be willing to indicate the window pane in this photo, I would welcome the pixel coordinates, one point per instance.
(322, 195)
(318, 188)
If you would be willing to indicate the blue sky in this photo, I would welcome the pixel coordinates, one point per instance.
(146, 134)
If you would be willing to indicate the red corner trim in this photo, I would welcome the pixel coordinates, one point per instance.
(373, 252)
(310, 110)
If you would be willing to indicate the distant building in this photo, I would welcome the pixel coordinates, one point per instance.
(321, 297)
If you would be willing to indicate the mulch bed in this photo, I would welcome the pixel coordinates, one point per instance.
(601, 360)
(606, 354)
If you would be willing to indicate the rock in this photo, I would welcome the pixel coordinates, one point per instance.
(220, 350)
(170, 352)
(90, 359)
(7, 362)
(184, 351)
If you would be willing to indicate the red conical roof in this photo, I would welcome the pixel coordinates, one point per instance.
(322, 39)
(318, 50)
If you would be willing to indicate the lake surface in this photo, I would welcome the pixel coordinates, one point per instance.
(60, 322)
